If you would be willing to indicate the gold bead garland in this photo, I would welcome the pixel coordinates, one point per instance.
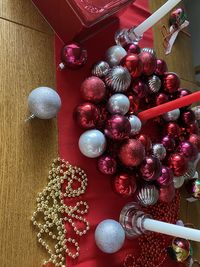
(52, 213)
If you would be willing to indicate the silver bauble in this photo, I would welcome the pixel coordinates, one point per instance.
(196, 111)
(92, 143)
(44, 103)
(100, 69)
(136, 124)
(172, 115)
(159, 151)
(109, 236)
(119, 79)
(118, 104)
(178, 181)
(148, 195)
(154, 84)
(114, 55)
(149, 50)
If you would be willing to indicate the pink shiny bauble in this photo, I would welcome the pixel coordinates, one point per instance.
(171, 82)
(161, 98)
(107, 165)
(132, 153)
(169, 143)
(183, 92)
(125, 184)
(178, 164)
(188, 150)
(93, 89)
(149, 63)
(134, 65)
(86, 115)
(74, 56)
(146, 141)
(134, 103)
(117, 128)
(161, 67)
(195, 140)
(172, 129)
(166, 177)
(150, 168)
(188, 117)
(140, 88)
(167, 193)
(132, 49)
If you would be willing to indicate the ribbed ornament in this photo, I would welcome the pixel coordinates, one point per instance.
(100, 69)
(154, 84)
(148, 195)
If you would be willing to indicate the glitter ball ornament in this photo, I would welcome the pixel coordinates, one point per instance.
(125, 184)
(114, 55)
(93, 89)
(172, 129)
(178, 181)
(181, 248)
(133, 64)
(171, 82)
(159, 151)
(169, 143)
(100, 69)
(178, 163)
(150, 168)
(161, 67)
(172, 115)
(132, 153)
(132, 48)
(167, 193)
(188, 150)
(109, 236)
(154, 84)
(147, 195)
(149, 63)
(118, 79)
(146, 141)
(92, 143)
(195, 140)
(166, 177)
(161, 98)
(107, 165)
(193, 188)
(44, 103)
(118, 104)
(135, 124)
(140, 88)
(149, 50)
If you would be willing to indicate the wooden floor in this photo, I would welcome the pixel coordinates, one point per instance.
(26, 149)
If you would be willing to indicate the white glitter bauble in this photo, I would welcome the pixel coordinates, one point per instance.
(118, 104)
(172, 115)
(109, 236)
(114, 55)
(135, 124)
(44, 103)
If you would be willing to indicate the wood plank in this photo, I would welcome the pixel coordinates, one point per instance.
(26, 149)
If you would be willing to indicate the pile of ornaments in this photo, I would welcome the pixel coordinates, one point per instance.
(145, 165)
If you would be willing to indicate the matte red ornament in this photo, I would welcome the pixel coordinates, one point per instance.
(178, 163)
(172, 129)
(195, 140)
(161, 67)
(107, 165)
(117, 128)
(132, 49)
(171, 82)
(161, 98)
(149, 63)
(146, 141)
(169, 143)
(134, 103)
(140, 88)
(132, 153)
(189, 150)
(167, 193)
(125, 184)
(86, 115)
(150, 168)
(188, 117)
(93, 89)
(134, 65)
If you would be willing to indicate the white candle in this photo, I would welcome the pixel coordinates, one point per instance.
(171, 229)
(155, 17)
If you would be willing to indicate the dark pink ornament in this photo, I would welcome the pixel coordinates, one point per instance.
(150, 168)
(188, 117)
(167, 193)
(195, 140)
(140, 88)
(149, 63)
(161, 67)
(107, 165)
(118, 128)
(183, 92)
(169, 143)
(178, 164)
(172, 129)
(125, 184)
(189, 150)
(161, 98)
(132, 49)
(166, 177)
(171, 82)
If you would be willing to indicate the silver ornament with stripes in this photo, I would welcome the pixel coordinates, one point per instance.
(147, 195)
(149, 50)
(100, 69)
(154, 84)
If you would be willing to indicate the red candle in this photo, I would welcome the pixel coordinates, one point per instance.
(166, 107)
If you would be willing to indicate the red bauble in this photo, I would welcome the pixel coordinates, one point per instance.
(93, 89)
(171, 82)
(195, 140)
(140, 88)
(118, 128)
(146, 141)
(178, 163)
(167, 193)
(134, 103)
(132, 49)
(172, 129)
(149, 63)
(161, 98)
(107, 165)
(188, 150)
(125, 184)
(183, 92)
(150, 168)
(161, 67)
(193, 128)
(188, 117)
(134, 65)
(132, 153)
(86, 115)
(169, 143)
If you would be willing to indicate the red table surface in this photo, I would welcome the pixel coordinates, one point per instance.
(103, 202)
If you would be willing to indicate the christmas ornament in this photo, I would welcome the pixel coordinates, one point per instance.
(149, 63)
(193, 188)
(134, 65)
(172, 129)
(135, 125)
(118, 79)
(167, 193)
(134, 103)
(166, 177)
(171, 82)
(132, 153)
(146, 141)
(188, 117)
(161, 67)
(107, 165)
(149, 50)
(114, 55)
(109, 236)
(86, 115)
(178, 181)
(172, 115)
(44, 103)
(125, 184)
(188, 150)
(140, 88)
(93, 89)
(154, 84)
(183, 92)
(117, 128)
(196, 111)
(118, 104)
(147, 195)
(159, 151)
(195, 140)
(181, 248)
(161, 98)
(73, 56)
(150, 168)
(192, 128)
(100, 69)
(178, 164)
(132, 48)
(169, 143)
(177, 17)
(92, 143)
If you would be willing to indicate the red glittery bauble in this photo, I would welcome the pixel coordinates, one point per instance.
(149, 63)
(161, 98)
(132, 153)
(125, 184)
(161, 67)
(171, 82)
(132, 49)
(134, 64)
(188, 117)
(93, 89)
(107, 165)
(117, 128)
(74, 56)
(150, 168)
(167, 193)
(172, 129)
(146, 141)
(134, 103)
(195, 140)
(178, 163)
(86, 115)
(140, 88)
(188, 150)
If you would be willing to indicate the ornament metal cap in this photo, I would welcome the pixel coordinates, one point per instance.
(127, 36)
